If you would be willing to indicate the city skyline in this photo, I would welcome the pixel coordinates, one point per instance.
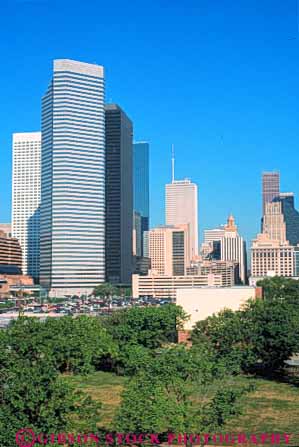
(216, 145)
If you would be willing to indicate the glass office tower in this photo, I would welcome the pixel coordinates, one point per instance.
(119, 195)
(73, 179)
(141, 189)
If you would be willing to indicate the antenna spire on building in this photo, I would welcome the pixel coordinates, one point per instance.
(172, 163)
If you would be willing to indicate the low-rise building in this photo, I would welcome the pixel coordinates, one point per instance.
(10, 251)
(158, 286)
(200, 303)
(273, 258)
(10, 279)
(228, 270)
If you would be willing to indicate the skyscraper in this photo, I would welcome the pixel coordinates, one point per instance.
(141, 189)
(273, 222)
(291, 216)
(233, 248)
(26, 198)
(73, 179)
(281, 219)
(119, 195)
(270, 186)
(181, 208)
(169, 250)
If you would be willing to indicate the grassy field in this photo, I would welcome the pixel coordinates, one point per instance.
(105, 388)
(272, 407)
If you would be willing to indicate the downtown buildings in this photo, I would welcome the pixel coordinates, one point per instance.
(275, 251)
(26, 186)
(73, 186)
(225, 244)
(72, 230)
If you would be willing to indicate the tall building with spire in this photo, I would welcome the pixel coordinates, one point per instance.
(72, 241)
(181, 207)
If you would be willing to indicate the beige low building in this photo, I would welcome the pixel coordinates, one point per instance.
(228, 270)
(273, 258)
(7, 282)
(166, 286)
(203, 302)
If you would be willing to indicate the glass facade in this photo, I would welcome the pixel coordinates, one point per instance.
(141, 187)
(119, 195)
(73, 178)
(291, 217)
(178, 253)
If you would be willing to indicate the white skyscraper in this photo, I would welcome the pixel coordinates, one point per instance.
(181, 208)
(233, 248)
(26, 198)
(73, 179)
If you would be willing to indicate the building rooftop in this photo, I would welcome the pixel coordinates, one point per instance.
(78, 67)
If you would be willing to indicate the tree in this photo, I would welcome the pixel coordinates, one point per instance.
(275, 332)
(158, 399)
(72, 344)
(105, 290)
(148, 326)
(224, 405)
(148, 407)
(33, 395)
(225, 332)
(260, 337)
(132, 358)
(279, 287)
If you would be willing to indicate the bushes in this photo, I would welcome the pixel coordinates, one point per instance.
(33, 395)
(258, 338)
(158, 399)
(150, 327)
(72, 344)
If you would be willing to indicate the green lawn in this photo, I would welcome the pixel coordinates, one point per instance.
(272, 407)
(105, 388)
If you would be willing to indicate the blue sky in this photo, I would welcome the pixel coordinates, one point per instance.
(218, 79)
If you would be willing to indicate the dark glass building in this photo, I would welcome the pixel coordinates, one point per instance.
(291, 217)
(141, 188)
(119, 195)
(178, 253)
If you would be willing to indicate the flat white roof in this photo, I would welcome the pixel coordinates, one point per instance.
(78, 67)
